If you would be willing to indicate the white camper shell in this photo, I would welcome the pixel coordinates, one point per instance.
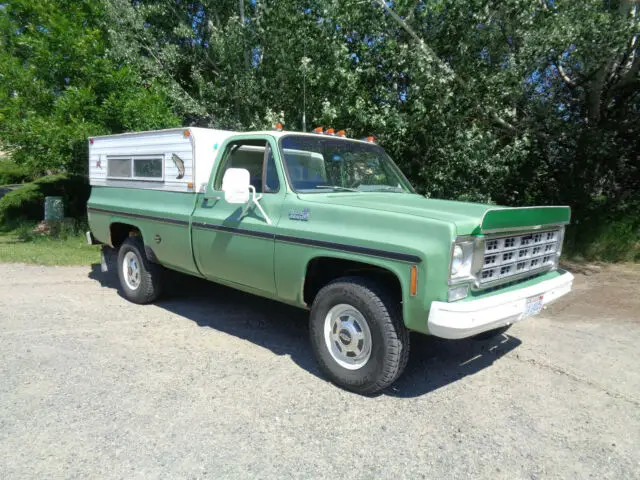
(178, 159)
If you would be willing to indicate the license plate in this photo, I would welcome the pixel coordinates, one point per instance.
(533, 306)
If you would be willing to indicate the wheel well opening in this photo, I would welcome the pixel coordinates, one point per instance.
(119, 232)
(322, 270)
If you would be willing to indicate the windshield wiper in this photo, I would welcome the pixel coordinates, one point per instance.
(338, 188)
(385, 188)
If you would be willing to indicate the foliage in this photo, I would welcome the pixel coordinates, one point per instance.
(58, 88)
(62, 230)
(605, 236)
(27, 202)
(12, 173)
(71, 249)
(614, 242)
(515, 102)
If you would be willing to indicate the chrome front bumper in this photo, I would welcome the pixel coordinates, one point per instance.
(465, 319)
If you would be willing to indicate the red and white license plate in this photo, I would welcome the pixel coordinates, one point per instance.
(533, 305)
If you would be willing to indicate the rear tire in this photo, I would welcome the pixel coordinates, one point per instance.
(358, 336)
(140, 280)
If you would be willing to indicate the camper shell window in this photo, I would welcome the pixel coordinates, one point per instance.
(137, 168)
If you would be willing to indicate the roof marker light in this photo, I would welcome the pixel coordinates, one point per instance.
(91, 141)
(186, 133)
(278, 126)
(371, 139)
(317, 130)
(341, 133)
(330, 131)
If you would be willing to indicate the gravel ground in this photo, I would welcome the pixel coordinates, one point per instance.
(212, 383)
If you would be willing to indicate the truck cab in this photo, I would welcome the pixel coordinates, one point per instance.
(328, 224)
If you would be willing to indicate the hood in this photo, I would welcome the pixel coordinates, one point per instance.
(469, 218)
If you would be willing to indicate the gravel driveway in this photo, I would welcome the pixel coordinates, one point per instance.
(212, 383)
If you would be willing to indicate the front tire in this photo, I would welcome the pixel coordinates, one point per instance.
(358, 336)
(140, 280)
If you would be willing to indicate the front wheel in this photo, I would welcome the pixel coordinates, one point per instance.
(358, 336)
(139, 279)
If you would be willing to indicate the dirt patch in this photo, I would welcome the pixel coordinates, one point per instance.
(600, 291)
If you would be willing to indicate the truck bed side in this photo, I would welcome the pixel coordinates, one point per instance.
(162, 218)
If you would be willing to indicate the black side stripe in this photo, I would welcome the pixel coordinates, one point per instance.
(312, 243)
(172, 221)
(372, 252)
(234, 230)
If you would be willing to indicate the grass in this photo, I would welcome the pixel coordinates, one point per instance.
(615, 241)
(67, 247)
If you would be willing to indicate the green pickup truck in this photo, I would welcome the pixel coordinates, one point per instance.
(325, 223)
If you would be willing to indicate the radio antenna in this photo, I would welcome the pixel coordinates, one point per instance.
(304, 88)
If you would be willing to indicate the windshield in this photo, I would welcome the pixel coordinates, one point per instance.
(321, 164)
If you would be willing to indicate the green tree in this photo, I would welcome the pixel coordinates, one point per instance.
(58, 88)
(511, 101)
(508, 101)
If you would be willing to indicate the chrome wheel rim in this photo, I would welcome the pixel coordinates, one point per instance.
(131, 270)
(347, 336)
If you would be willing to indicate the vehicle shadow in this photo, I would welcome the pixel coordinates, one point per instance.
(433, 362)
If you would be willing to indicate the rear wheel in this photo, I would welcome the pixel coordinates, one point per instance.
(358, 336)
(139, 279)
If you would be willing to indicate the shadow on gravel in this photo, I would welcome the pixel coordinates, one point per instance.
(433, 362)
(436, 362)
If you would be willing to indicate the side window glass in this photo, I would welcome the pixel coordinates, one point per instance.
(271, 181)
(256, 157)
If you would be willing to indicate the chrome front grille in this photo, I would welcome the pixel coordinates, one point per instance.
(512, 255)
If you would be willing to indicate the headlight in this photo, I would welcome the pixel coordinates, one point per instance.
(461, 260)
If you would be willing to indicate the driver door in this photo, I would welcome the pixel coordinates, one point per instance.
(234, 243)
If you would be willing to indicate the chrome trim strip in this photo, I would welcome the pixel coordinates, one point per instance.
(531, 228)
(513, 278)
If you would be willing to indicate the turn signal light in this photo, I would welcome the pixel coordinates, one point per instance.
(414, 280)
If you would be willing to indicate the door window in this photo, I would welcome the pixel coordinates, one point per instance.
(256, 156)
